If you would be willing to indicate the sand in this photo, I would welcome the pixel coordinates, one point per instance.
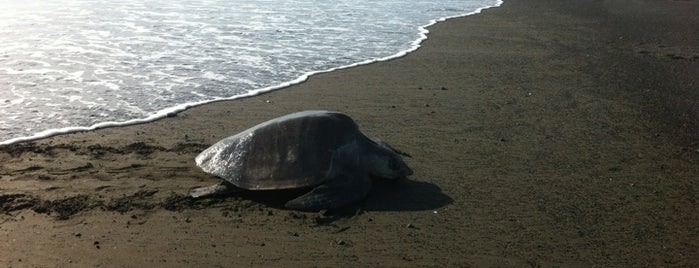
(542, 133)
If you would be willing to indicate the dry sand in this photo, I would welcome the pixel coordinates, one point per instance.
(542, 133)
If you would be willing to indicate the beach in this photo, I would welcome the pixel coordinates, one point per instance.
(541, 134)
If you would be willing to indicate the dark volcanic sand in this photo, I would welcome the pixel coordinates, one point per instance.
(542, 133)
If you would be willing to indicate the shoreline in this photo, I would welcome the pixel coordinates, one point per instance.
(542, 133)
(174, 110)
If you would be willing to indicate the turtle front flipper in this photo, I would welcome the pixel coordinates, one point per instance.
(336, 192)
(216, 189)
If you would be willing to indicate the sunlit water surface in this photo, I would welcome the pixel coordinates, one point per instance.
(67, 64)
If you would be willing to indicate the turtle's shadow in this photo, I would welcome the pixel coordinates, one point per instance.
(405, 195)
(386, 195)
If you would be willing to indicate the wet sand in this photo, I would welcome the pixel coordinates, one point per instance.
(542, 133)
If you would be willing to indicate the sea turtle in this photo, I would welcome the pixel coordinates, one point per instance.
(320, 149)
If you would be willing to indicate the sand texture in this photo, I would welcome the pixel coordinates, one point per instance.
(542, 133)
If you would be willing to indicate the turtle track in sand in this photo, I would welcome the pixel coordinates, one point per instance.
(63, 180)
(35, 176)
(143, 200)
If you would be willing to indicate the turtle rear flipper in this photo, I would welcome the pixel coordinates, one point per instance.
(341, 190)
(222, 188)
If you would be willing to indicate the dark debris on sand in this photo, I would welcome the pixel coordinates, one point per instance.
(64, 208)
(138, 200)
(14, 202)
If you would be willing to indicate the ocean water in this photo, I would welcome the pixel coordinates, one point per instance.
(70, 65)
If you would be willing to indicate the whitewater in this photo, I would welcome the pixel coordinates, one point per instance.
(76, 65)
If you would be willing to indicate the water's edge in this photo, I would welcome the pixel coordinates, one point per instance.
(171, 111)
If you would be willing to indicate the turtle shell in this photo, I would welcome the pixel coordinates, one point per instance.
(291, 151)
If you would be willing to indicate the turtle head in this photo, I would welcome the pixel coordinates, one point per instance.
(387, 162)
